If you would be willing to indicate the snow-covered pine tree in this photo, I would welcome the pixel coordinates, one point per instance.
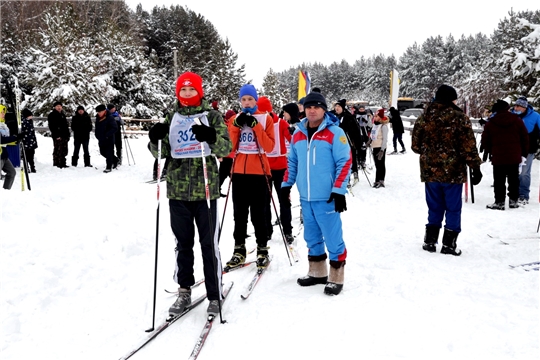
(272, 89)
(63, 65)
(521, 59)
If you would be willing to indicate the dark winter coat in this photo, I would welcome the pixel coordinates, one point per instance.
(81, 126)
(105, 129)
(444, 138)
(505, 138)
(397, 123)
(58, 125)
(29, 134)
(348, 123)
(185, 177)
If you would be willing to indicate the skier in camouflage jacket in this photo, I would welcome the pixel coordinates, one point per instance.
(444, 138)
(184, 140)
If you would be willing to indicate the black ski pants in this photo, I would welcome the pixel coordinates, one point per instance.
(380, 165)
(250, 196)
(500, 174)
(183, 214)
(225, 169)
(284, 206)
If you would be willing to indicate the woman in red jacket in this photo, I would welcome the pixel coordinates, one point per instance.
(278, 165)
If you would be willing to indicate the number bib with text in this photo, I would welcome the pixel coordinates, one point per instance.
(181, 137)
(248, 144)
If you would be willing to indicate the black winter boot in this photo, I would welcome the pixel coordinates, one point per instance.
(87, 161)
(119, 156)
(74, 160)
(449, 243)
(317, 273)
(336, 277)
(431, 238)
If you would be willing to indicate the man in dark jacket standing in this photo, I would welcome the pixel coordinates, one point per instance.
(505, 138)
(444, 138)
(105, 130)
(111, 108)
(397, 127)
(81, 124)
(348, 123)
(58, 125)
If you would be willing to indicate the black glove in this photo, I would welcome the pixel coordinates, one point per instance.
(245, 119)
(286, 195)
(476, 176)
(482, 122)
(380, 154)
(340, 203)
(204, 133)
(158, 132)
(238, 121)
(292, 129)
(20, 137)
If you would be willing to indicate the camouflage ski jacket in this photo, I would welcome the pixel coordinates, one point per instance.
(444, 138)
(185, 177)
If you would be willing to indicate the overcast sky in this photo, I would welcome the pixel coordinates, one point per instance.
(284, 33)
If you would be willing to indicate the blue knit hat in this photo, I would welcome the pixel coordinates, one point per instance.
(522, 101)
(250, 90)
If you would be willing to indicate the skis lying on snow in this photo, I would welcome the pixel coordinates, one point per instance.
(155, 181)
(534, 266)
(225, 271)
(255, 280)
(207, 327)
(165, 325)
(504, 240)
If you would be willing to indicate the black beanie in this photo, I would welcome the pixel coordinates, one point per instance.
(446, 94)
(111, 106)
(342, 103)
(500, 106)
(57, 103)
(27, 113)
(100, 107)
(315, 99)
(80, 107)
(292, 109)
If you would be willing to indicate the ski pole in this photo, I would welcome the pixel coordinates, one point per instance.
(126, 144)
(157, 237)
(472, 186)
(210, 220)
(272, 198)
(228, 191)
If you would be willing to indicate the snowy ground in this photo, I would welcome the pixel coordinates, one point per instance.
(77, 267)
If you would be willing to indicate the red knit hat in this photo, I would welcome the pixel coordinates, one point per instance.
(229, 114)
(189, 79)
(380, 113)
(264, 104)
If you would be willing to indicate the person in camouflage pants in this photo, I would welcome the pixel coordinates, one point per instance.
(184, 140)
(444, 138)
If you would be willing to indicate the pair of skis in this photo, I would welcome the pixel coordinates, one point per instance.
(171, 320)
(533, 266)
(225, 271)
